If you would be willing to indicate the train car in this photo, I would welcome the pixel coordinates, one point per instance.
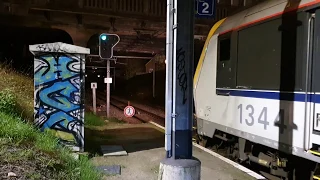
(257, 86)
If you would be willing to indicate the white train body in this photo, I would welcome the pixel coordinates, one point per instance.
(225, 99)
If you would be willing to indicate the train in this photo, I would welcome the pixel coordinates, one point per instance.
(257, 87)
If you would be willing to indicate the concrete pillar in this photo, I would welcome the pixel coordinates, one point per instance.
(180, 169)
(59, 91)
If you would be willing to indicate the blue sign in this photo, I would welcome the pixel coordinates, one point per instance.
(205, 8)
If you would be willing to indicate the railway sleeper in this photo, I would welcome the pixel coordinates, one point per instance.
(275, 164)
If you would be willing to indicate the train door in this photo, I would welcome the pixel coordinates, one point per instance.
(313, 84)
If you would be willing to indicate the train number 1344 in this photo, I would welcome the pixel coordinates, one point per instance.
(250, 113)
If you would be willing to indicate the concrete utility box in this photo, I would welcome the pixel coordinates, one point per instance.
(59, 91)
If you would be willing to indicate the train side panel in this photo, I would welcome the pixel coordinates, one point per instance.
(205, 89)
(253, 118)
(256, 119)
(256, 115)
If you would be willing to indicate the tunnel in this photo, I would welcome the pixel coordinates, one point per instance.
(15, 41)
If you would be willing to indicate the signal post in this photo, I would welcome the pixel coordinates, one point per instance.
(106, 44)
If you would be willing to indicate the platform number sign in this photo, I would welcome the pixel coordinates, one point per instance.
(205, 8)
(129, 111)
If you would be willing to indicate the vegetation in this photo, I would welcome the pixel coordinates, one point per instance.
(26, 151)
(24, 147)
(19, 87)
(116, 120)
(91, 119)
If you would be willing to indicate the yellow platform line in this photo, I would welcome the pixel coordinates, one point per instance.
(314, 152)
(316, 177)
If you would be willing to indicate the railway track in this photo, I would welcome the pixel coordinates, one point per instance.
(138, 105)
(141, 114)
(145, 117)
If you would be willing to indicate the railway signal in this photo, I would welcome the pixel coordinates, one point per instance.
(106, 44)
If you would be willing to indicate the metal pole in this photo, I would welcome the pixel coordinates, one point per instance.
(94, 100)
(114, 78)
(108, 88)
(168, 111)
(183, 79)
(154, 80)
(174, 77)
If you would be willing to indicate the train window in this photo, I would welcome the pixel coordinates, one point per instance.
(224, 49)
(267, 57)
(226, 60)
(316, 55)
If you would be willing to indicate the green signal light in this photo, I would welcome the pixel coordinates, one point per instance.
(104, 37)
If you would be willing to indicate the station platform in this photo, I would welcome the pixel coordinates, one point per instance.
(144, 144)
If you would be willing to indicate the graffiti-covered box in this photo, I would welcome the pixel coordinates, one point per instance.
(59, 91)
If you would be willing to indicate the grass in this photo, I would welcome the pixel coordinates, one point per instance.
(23, 89)
(115, 120)
(91, 119)
(43, 148)
(25, 150)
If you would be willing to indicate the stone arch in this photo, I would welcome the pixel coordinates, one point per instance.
(15, 41)
(93, 44)
(79, 35)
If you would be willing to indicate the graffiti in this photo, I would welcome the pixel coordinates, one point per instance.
(55, 48)
(182, 75)
(58, 106)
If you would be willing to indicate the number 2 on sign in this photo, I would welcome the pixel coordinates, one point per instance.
(206, 7)
(262, 119)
